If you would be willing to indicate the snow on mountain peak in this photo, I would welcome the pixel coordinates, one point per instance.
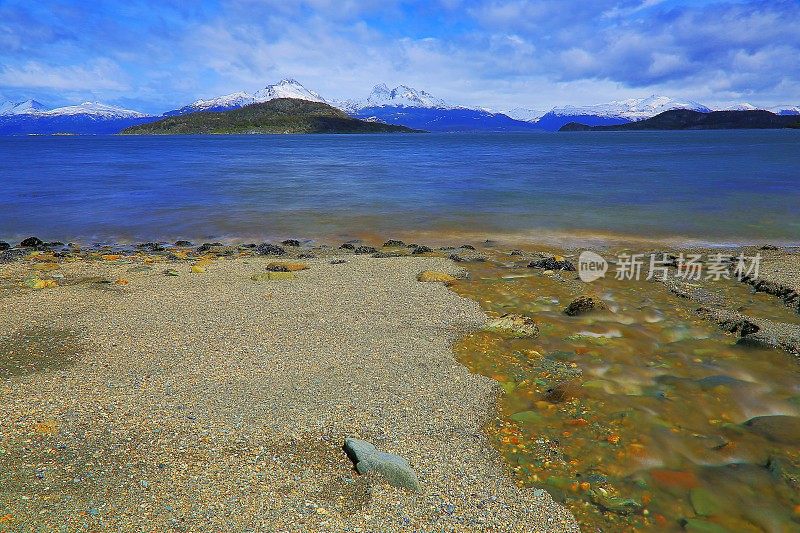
(735, 106)
(95, 109)
(633, 108)
(287, 88)
(28, 107)
(237, 99)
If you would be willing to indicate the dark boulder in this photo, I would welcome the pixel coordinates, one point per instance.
(31, 242)
(4, 246)
(421, 249)
(183, 243)
(291, 242)
(348, 246)
(269, 249)
(551, 263)
(365, 250)
(393, 243)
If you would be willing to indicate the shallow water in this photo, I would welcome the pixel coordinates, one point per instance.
(714, 186)
(645, 431)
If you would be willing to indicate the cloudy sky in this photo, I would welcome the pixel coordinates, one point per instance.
(499, 54)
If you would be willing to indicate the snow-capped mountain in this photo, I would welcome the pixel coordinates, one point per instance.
(95, 110)
(785, 110)
(286, 88)
(735, 106)
(523, 113)
(31, 117)
(400, 96)
(21, 108)
(618, 112)
(415, 108)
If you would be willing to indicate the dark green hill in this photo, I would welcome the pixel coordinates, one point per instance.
(684, 119)
(282, 115)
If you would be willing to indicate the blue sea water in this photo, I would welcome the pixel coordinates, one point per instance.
(714, 186)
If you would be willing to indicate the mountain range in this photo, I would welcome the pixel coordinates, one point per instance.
(401, 105)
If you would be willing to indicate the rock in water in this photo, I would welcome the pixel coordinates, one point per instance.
(552, 263)
(394, 468)
(31, 242)
(584, 304)
(777, 428)
(291, 242)
(433, 276)
(516, 325)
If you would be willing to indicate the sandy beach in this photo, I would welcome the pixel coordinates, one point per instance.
(210, 401)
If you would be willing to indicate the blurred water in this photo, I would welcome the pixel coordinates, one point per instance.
(717, 186)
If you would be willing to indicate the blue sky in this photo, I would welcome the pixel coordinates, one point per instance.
(155, 56)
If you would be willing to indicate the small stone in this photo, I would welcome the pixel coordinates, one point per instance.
(516, 325)
(419, 249)
(171, 272)
(584, 304)
(395, 469)
(433, 276)
(365, 250)
(338, 261)
(347, 246)
(197, 269)
(291, 242)
(393, 243)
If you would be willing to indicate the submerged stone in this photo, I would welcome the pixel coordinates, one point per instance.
(516, 325)
(552, 263)
(784, 429)
(395, 469)
(526, 417)
(584, 304)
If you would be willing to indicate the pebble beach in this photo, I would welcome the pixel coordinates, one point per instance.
(306, 387)
(212, 401)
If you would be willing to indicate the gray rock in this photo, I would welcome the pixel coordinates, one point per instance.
(467, 257)
(367, 458)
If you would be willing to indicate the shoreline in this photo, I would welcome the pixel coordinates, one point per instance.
(121, 302)
(172, 370)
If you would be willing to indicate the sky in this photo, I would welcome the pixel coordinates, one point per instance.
(155, 56)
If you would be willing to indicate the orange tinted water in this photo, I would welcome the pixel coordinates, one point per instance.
(644, 428)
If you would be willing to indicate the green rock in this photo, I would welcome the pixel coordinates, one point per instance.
(393, 468)
(514, 325)
(526, 417)
(703, 502)
(615, 504)
(171, 272)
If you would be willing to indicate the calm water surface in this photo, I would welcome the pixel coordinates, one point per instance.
(714, 186)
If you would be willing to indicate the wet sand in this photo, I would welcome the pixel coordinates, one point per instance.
(210, 401)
